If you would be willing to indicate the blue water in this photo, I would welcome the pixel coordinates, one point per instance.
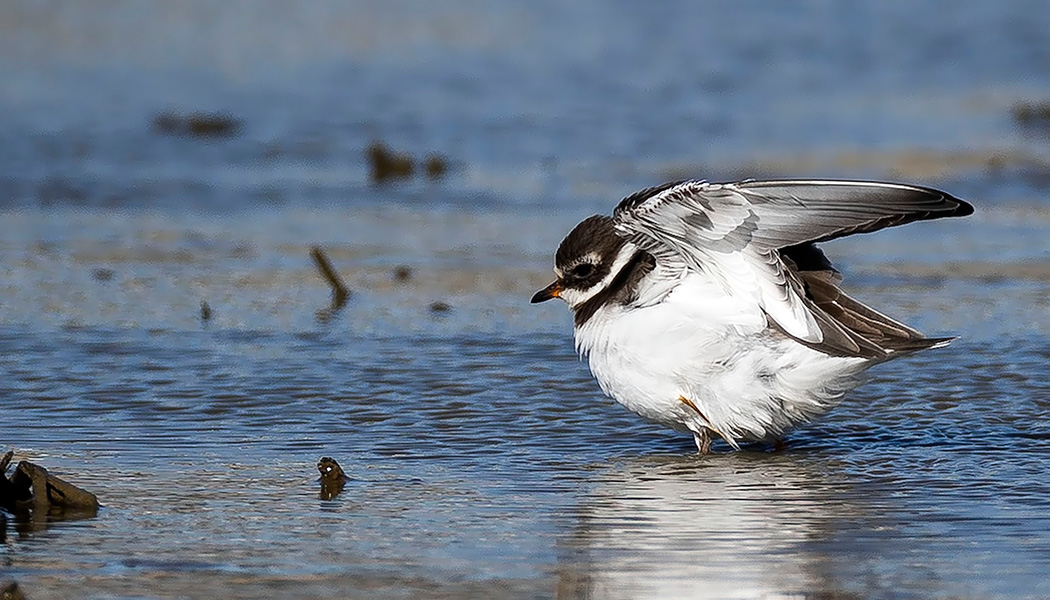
(484, 461)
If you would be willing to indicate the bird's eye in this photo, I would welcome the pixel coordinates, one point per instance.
(582, 270)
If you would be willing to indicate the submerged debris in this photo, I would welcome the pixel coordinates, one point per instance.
(340, 293)
(332, 477)
(102, 274)
(197, 124)
(440, 307)
(1032, 113)
(9, 590)
(435, 166)
(387, 165)
(402, 273)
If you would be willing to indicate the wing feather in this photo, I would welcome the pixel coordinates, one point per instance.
(735, 232)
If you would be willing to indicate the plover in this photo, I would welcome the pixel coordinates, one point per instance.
(709, 308)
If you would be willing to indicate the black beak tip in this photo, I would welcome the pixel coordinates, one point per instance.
(551, 291)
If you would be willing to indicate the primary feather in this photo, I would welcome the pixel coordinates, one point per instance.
(736, 234)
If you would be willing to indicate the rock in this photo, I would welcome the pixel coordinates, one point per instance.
(102, 274)
(435, 166)
(9, 590)
(402, 273)
(13, 493)
(57, 492)
(332, 478)
(32, 487)
(387, 165)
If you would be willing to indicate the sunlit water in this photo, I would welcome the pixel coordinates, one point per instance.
(484, 460)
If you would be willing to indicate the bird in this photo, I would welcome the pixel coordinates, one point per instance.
(709, 308)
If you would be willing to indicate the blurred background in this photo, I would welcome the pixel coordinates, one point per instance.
(192, 151)
(166, 167)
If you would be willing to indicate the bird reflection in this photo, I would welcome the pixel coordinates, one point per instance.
(735, 526)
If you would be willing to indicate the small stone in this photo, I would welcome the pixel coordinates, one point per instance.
(332, 478)
(9, 590)
(435, 166)
(387, 165)
(402, 273)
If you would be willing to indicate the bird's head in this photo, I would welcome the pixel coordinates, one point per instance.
(587, 261)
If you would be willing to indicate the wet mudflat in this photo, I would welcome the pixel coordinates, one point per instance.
(483, 460)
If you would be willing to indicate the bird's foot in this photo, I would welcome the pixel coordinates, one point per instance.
(703, 441)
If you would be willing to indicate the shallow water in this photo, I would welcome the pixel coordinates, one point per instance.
(484, 460)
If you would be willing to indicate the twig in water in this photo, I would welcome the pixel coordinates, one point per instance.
(339, 291)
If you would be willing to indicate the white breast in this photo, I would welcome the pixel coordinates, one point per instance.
(700, 344)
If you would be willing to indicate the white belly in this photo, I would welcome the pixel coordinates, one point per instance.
(741, 379)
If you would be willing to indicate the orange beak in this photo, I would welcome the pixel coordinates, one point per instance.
(551, 291)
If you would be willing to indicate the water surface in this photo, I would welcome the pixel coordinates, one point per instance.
(484, 460)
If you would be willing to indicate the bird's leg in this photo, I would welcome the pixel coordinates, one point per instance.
(702, 437)
(703, 440)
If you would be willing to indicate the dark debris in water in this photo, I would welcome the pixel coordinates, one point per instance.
(1032, 114)
(435, 166)
(387, 165)
(31, 487)
(440, 307)
(340, 293)
(197, 124)
(332, 479)
(402, 273)
(9, 590)
(102, 274)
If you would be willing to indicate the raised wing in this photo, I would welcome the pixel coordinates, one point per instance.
(735, 233)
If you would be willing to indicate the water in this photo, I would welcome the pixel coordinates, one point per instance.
(484, 460)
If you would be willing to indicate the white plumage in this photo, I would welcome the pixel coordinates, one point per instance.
(708, 308)
(703, 345)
